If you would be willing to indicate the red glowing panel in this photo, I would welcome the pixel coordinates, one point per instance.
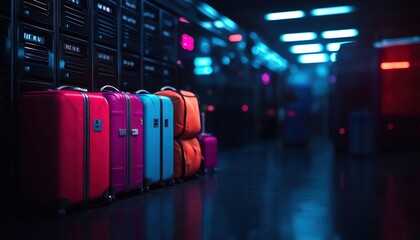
(394, 65)
(291, 113)
(210, 108)
(400, 88)
(341, 131)
(181, 19)
(271, 112)
(187, 42)
(235, 38)
(244, 108)
(265, 78)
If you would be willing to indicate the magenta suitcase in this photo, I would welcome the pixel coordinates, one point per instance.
(126, 138)
(208, 145)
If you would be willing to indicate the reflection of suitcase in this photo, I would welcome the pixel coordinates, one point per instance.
(187, 157)
(208, 144)
(155, 169)
(126, 133)
(64, 145)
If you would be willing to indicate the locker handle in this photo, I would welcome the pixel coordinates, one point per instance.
(142, 91)
(168, 87)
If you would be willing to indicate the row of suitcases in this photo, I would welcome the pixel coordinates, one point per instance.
(78, 146)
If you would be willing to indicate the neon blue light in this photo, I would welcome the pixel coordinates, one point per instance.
(219, 24)
(284, 15)
(340, 33)
(219, 42)
(207, 70)
(225, 60)
(334, 47)
(230, 25)
(333, 57)
(397, 41)
(293, 37)
(306, 48)
(208, 11)
(202, 61)
(332, 10)
(206, 25)
(313, 58)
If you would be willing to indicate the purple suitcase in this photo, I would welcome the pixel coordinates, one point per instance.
(208, 145)
(126, 143)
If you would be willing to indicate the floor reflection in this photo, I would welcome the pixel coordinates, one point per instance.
(263, 191)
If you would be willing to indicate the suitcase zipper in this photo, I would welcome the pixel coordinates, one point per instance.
(86, 149)
(129, 134)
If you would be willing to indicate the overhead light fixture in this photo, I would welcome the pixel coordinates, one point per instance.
(395, 65)
(293, 37)
(202, 61)
(333, 57)
(313, 58)
(207, 70)
(340, 33)
(332, 10)
(219, 24)
(284, 15)
(397, 41)
(229, 24)
(208, 11)
(306, 48)
(235, 38)
(334, 47)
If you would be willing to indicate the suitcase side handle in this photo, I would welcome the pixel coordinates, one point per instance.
(109, 87)
(168, 88)
(72, 88)
(142, 91)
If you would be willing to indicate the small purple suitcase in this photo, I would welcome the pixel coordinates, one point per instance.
(208, 145)
(126, 143)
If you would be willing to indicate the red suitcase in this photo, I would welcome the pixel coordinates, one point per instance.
(126, 139)
(208, 144)
(64, 146)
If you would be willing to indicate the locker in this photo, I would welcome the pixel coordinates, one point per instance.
(41, 11)
(105, 66)
(131, 71)
(74, 16)
(73, 61)
(105, 19)
(130, 31)
(35, 58)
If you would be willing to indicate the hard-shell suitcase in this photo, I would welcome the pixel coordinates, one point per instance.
(187, 157)
(154, 170)
(64, 148)
(208, 144)
(126, 139)
(166, 139)
(186, 111)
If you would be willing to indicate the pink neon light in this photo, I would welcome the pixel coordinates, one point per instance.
(187, 42)
(210, 108)
(271, 112)
(342, 131)
(291, 113)
(244, 108)
(394, 65)
(178, 62)
(235, 38)
(265, 78)
(181, 19)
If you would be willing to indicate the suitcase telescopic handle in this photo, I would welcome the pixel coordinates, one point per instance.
(142, 91)
(109, 87)
(168, 88)
(72, 88)
(203, 122)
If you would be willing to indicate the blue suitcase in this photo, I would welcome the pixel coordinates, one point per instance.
(151, 124)
(166, 140)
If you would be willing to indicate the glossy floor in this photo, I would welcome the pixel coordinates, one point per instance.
(263, 191)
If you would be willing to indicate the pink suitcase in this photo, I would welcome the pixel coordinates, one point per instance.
(208, 145)
(126, 138)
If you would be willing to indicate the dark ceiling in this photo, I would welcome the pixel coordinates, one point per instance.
(374, 19)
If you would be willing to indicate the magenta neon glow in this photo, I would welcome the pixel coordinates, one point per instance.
(271, 112)
(235, 38)
(265, 78)
(244, 108)
(210, 108)
(187, 42)
(291, 113)
(181, 19)
(342, 131)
